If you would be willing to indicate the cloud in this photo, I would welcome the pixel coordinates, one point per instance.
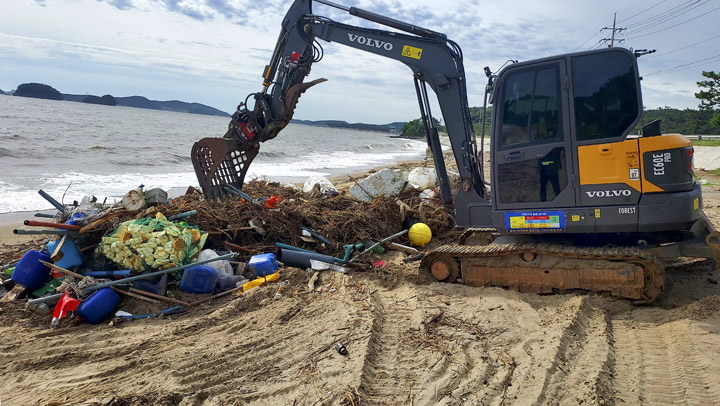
(237, 12)
(121, 4)
(223, 45)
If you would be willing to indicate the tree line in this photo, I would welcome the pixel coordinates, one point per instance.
(704, 120)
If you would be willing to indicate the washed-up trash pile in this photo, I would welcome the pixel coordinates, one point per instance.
(156, 250)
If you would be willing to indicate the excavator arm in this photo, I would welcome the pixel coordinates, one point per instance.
(435, 61)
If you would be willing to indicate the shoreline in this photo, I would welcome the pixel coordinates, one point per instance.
(12, 220)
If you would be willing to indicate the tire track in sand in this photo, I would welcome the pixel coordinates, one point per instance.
(658, 362)
(390, 368)
(582, 361)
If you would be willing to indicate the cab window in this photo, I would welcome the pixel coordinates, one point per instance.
(605, 95)
(531, 108)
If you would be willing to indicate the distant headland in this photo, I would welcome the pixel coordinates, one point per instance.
(43, 91)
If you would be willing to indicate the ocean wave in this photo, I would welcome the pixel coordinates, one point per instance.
(413, 145)
(12, 137)
(6, 152)
(274, 154)
(176, 158)
(158, 160)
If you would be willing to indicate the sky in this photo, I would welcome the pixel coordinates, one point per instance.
(214, 51)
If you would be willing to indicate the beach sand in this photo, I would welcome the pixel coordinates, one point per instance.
(12, 221)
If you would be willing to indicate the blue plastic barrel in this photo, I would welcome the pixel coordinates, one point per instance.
(95, 308)
(30, 273)
(263, 264)
(199, 279)
(71, 255)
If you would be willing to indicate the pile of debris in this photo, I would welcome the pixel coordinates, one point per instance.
(155, 249)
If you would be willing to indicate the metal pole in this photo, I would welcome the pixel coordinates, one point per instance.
(612, 37)
(378, 243)
(52, 201)
(183, 215)
(20, 231)
(331, 4)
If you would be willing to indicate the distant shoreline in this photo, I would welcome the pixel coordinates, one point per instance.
(178, 106)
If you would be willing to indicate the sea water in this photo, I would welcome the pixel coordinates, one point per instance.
(72, 149)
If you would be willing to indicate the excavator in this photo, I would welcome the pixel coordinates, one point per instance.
(574, 200)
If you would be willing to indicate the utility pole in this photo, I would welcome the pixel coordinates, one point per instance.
(611, 40)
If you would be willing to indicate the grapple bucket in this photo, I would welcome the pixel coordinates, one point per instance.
(219, 162)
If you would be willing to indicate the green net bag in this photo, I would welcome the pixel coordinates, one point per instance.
(152, 244)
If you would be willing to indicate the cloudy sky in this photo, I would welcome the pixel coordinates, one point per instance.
(213, 51)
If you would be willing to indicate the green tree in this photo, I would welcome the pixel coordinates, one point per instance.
(710, 96)
(715, 120)
(416, 129)
(476, 117)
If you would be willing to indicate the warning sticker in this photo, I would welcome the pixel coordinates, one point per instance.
(535, 221)
(411, 52)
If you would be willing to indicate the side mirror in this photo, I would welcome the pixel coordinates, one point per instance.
(651, 129)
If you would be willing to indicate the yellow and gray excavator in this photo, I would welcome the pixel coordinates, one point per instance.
(576, 202)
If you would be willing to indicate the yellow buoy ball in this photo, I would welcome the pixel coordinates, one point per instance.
(419, 234)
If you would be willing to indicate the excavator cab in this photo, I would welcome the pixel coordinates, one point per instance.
(563, 146)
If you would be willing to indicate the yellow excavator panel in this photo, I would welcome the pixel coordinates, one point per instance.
(617, 162)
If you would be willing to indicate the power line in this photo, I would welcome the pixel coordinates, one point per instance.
(680, 49)
(685, 66)
(665, 14)
(665, 19)
(586, 41)
(597, 44)
(673, 26)
(637, 14)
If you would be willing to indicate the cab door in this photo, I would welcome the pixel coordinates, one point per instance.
(532, 156)
(606, 107)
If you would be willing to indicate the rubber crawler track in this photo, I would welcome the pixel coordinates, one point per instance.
(653, 269)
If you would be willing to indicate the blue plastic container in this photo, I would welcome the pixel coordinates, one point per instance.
(71, 255)
(199, 279)
(263, 264)
(95, 308)
(30, 273)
